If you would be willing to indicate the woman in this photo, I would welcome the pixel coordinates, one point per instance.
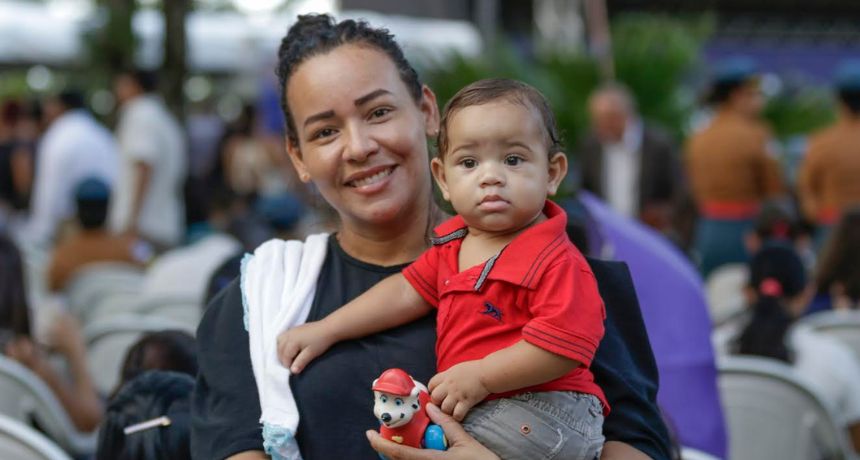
(77, 395)
(358, 121)
(778, 293)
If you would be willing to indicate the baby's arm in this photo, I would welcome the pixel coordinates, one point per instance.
(392, 302)
(518, 366)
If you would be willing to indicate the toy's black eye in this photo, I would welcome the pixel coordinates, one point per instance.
(398, 402)
(415, 406)
(383, 398)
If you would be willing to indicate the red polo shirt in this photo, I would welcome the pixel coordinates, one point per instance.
(539, 288)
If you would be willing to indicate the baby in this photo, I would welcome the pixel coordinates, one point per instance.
(519, 316)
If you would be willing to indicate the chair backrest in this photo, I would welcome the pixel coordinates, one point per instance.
(99, 283)
(724, 289)
(20, 442)
(842, 325)
(772, 415)
(26, 398)
(688, 453)
(109, 340)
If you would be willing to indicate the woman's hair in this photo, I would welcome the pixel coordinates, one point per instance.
(501, 89)
(146, 398)
(851, 99)
(14, 310)
(169, 350)
(839, 257)
(777, 274)
(316, 34)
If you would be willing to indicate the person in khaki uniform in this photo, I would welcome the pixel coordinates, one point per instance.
(731, 166)
(828, 183)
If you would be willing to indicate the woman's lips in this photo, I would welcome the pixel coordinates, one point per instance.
(370, 181)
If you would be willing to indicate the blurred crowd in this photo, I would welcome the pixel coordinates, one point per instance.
(112, 241)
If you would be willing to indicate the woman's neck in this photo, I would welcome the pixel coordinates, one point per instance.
(397, 242)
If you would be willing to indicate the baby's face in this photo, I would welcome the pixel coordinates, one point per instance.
(497, 172)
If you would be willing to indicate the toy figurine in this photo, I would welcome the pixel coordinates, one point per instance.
(400, 405)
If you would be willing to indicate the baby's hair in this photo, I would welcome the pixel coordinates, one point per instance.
(316, 34)
(502, 89)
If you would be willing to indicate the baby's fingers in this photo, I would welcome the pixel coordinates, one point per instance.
(305, 356)
(287, 350)
(460, 410)
(438, 394)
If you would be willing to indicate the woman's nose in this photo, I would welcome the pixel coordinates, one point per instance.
(360, 144)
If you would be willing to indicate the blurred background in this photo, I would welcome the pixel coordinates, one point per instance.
(647, 94)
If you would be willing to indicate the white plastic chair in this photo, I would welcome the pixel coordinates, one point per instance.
(688, 453)
(772, 415)
(109, 340)
(842, 325)
(724, 290)
(100, 283)
(26, 398)
(20, 442)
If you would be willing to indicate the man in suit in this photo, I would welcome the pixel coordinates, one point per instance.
(631, 166)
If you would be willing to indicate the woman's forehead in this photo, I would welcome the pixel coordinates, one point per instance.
(342, 75)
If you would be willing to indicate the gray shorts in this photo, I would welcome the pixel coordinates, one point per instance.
(550, 425)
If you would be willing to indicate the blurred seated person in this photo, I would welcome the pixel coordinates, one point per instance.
(778, 223)
(778, 293)
(148, 419)
(93, 243)
(168, 350)
(631, 165)
(828, 175)
(731, 165)
(837, 274)
(76, 394)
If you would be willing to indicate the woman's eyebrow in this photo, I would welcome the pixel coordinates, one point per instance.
(370, 96)
(319, 116)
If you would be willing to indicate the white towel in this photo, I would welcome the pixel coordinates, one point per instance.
(278, 285)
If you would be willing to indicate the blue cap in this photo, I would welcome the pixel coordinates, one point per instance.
(735, 69)
(848, 76)
(92, 188)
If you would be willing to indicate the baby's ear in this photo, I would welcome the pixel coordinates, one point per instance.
(437, 167)
(557, 172)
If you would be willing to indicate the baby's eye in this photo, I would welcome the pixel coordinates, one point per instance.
(398, 402)
(469, 163)
(513, 160)
(383, 398)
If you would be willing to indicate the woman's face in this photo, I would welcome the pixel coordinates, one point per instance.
(362, 138)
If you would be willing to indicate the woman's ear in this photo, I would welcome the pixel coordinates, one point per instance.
(438, 169)
(557, 171)
(295, 155)
(430, 109)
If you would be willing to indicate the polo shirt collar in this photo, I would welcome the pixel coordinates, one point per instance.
(521, 262)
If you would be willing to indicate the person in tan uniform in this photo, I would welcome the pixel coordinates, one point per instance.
(731, 166)
(93, 243)
(828, 183)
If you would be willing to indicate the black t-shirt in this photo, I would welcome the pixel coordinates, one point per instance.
(333, 394)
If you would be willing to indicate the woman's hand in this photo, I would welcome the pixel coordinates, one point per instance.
(298, 346)
(461, 446)
(458, 389)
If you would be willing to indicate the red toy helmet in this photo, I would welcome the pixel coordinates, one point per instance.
(395, 382)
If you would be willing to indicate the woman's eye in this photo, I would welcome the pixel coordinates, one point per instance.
(398, 402)
(469, 163)
(513, 160)
(325, 132)
(380, 112)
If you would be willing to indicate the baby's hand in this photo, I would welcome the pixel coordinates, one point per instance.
(300, 345)
(459, 388)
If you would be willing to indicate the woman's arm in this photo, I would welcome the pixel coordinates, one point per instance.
(392, 302)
